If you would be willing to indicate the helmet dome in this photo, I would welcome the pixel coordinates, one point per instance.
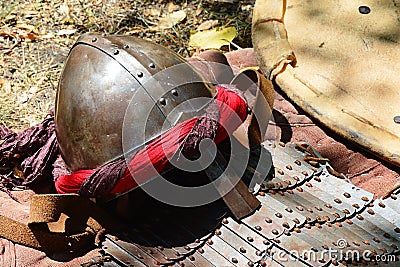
(103, 77)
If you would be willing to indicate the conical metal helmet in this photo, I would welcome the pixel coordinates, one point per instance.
(115, 82)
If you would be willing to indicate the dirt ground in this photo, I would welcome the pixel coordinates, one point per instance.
(36, 35)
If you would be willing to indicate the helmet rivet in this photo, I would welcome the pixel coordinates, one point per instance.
(94, 40)
(152, 65)
(174, 92)
(140, 74)
(115, 52)
(163, 101)
(126, 46)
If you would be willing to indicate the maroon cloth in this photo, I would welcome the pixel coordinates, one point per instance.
(103, 180)
(33, 151)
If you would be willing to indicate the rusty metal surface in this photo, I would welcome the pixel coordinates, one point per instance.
(290, 228)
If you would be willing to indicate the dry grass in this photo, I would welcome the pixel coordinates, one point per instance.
(35, 37)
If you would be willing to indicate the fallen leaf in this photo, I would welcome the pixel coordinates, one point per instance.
(24, 26)
(37, 86)
(7, 33)
(30, 13)
(171, 19)
(47, 36)
(64, 9)
(29, 36)
(198, 11)
(66, 13)
(136, 31)
(208, 24)
(6, 11)
(152, 12)
(7, 87)
(19, 33)
(170, 7)
(10, 17)
(33, 90)
(212, 39)
(66, 32)
(23, 98)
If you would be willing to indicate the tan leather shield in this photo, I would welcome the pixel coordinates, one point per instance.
(340, 62)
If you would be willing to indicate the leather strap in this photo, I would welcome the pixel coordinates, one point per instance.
(262, 107)
(269, 37)
(57, 223)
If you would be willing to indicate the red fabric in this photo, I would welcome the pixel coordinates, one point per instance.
(156, 155)
(72, 182)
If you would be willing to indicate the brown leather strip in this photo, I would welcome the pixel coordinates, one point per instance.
(47, 230)
(37, 236)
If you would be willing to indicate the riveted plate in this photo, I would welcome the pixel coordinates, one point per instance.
(383, 224)
(164, 236)
(290, 218)
(284, 258)
(198, 259)
(239, 244)
(128, 253)
(302, 247)
(347, 191)
(362, 238)
(104, 261)
(335, 201)
(393, 201)
(290, 167)
(185, 262)
(308, 206)
(344, 191)
(262, 222)
(268, 261)
(215, 257)
(363, 222)
(235, 257)
(250, 236)
(163, 247)
(339, 242)
(388, 209)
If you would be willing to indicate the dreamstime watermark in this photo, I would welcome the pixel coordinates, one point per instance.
(172, 96)
(341, 252)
